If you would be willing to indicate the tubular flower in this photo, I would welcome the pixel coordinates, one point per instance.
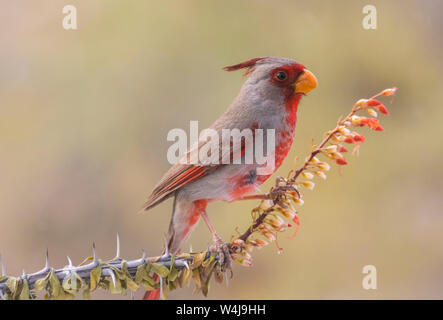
(359, 138)
(307, 175)
(324, 166)
(320, 174)
(372, 112)
(389, 92)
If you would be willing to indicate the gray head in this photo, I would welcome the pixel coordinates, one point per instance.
(269, 76)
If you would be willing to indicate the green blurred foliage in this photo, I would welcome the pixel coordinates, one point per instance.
(85, 114)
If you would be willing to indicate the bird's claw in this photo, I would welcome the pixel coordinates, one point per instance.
(280, 190)
(224, 254)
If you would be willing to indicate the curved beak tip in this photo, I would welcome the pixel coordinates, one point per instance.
(306, 82)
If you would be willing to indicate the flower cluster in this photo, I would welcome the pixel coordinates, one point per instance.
(277, 210)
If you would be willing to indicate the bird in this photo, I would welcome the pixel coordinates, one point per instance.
(268, 100)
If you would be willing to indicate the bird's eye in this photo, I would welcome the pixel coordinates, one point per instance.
(281, 76)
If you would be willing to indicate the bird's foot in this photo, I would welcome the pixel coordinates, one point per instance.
(279, 191)
(224, 254)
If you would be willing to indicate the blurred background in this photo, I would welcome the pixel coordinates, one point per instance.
(84, 116)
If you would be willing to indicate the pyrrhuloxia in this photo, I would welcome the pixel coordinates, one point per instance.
(267, 100)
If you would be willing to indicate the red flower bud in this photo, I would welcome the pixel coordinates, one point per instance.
(372, 123)
(342, 149)
(383, 109)
(379, 128)
(373, 103)
(341, 161)
(389, 92)
(359, 138)
(349, 140)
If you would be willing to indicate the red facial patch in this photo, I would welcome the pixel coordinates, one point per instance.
(292, 71)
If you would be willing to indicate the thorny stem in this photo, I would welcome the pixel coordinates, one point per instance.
(84, 271)
(256, 224)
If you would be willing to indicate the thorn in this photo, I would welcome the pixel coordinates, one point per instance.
(143, 254)
(186, 264)
(110, 273)
(24, 273)
(70, 262)
(113, 278)
(117, 256)
(166, 246)
(47, 259)
(2, 266)
(190, 248)
(94, 253)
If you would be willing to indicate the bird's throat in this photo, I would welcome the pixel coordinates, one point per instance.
(291, 104)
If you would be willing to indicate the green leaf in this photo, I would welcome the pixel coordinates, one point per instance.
(6, 296)
(24, 294)
(86, 293)
(173, 273)
(206, 262)
(197, 279)
(12, 284)
(160, 270)
(41, 284)
(197, 259)
(172, 285)
(147, 285)
(130, 283)
(205, 288)
(104, 284)
(185, 275)
(54, 287)
(117, 289)
(95, 277)
(72, 283)
(141, 273)
(206, 274)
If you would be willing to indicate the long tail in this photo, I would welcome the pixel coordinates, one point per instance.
(185, 216)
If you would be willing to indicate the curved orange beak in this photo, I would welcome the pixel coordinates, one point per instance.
(306, 82)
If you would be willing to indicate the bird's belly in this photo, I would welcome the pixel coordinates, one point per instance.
(227, 184)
